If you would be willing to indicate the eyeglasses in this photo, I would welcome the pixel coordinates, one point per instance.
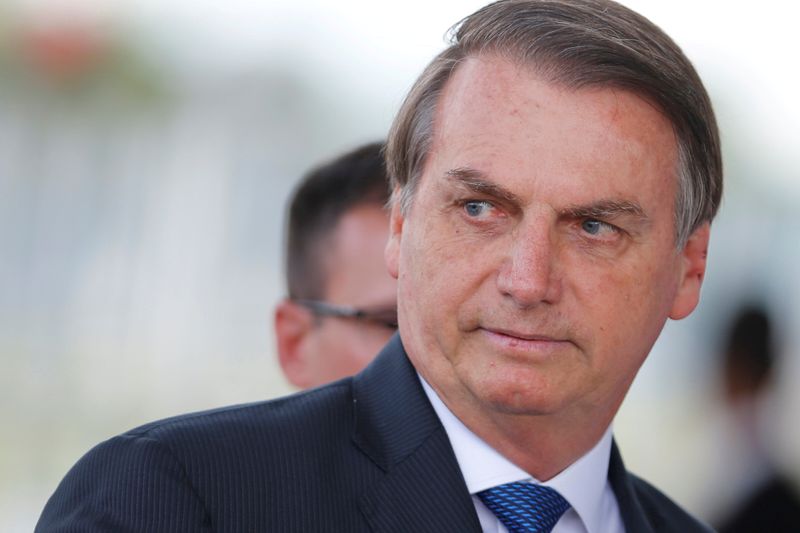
(385, 316)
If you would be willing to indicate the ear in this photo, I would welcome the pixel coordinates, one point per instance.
(392, 251)
(293, 323)
(693, 269)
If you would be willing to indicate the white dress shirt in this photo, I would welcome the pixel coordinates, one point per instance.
(584, 483)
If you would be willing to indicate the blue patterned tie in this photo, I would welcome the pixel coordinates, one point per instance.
(525, 507)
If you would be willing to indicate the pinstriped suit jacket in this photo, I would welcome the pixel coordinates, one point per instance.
(362, 454)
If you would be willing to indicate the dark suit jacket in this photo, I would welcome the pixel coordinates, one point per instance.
(360, 454)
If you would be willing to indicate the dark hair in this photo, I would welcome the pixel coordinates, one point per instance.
(749, 350)
(318, 203)
(577, 44)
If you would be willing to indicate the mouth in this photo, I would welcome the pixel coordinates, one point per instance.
(523, 336)
(525, 341)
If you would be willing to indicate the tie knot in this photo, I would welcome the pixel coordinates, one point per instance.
(525, 507)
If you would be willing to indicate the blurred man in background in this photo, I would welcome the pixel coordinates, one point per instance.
(761, 497)
(341, 308)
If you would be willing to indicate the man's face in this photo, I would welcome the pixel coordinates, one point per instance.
(356, 277)
(537, 263)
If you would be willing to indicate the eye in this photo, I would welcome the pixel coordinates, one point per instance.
(591, 226)
(597, 228)
(477, 208)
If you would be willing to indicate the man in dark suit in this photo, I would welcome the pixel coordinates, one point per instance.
(555, 172)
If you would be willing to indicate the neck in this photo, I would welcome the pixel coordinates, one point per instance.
(542, 445)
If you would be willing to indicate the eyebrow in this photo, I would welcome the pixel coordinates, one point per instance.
(478, 182)
(606, 209)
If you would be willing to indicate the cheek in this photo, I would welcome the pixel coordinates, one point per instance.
(425, 259)
(372, 338)
(637, 281)
(435, 276)
(346, 348)
(628, 303)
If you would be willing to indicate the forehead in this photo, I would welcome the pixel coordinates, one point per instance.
(509, 123)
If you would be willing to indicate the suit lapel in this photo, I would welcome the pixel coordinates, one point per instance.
(633, 514)
(422, 488)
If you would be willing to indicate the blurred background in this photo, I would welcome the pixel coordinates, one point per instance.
(147, 148)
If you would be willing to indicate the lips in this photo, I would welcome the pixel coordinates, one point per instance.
(526, 345)
(524, 336)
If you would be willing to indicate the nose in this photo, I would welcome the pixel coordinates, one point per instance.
(529, 274)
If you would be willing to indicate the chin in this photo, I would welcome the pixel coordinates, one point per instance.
(521, 396)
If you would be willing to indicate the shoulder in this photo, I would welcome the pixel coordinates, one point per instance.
(243, 439)
(663, 513)
(196, 464)
(318, 410)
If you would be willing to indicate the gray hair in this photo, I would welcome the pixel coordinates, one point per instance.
(577, 44)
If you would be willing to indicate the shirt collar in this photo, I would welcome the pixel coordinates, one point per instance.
(582, 483)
